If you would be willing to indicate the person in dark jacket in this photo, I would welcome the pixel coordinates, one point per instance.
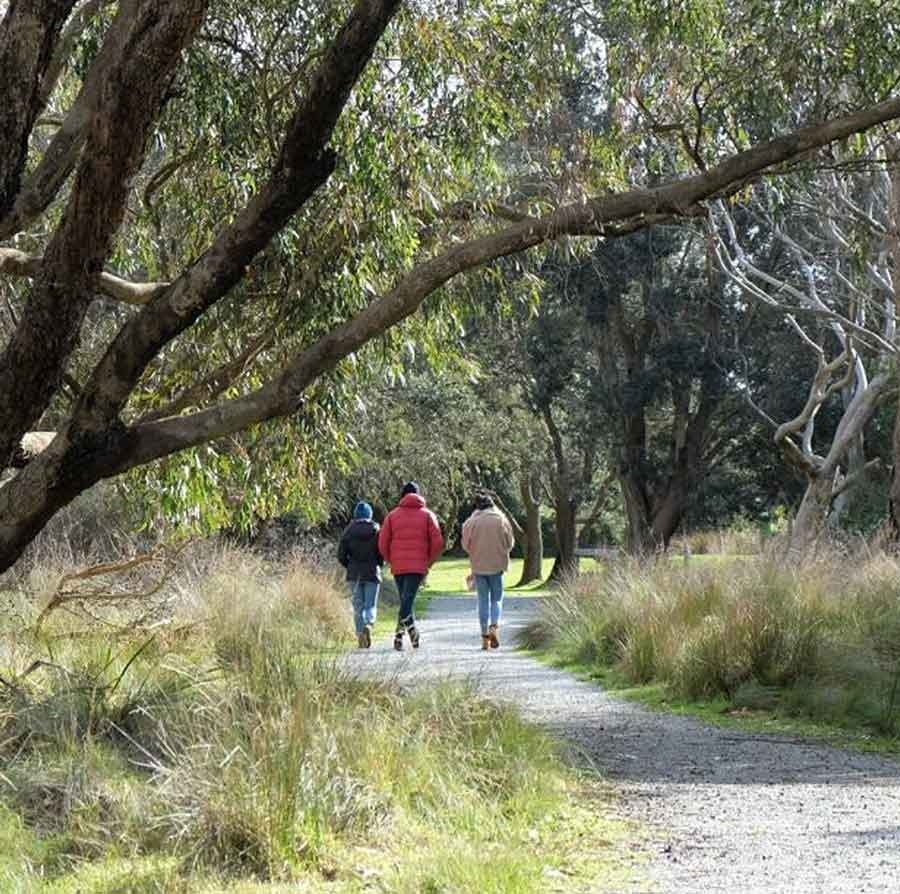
(411, 542)
(358, 553)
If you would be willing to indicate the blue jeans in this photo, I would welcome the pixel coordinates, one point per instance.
(490, 599)
(364, 596)
(407, 586)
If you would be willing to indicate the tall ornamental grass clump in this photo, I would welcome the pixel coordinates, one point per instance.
(820, 639)
(233, 743)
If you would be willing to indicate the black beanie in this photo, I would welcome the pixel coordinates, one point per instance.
(409, 488)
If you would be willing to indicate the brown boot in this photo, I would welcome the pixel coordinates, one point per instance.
(485, 642)
(494, 636)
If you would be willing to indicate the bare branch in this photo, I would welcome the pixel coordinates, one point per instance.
(117, 583)
(16, 263)
(851, 481)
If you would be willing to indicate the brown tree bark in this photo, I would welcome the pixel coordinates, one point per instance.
(533, 539)
(892, 238)
(565, 564)
(33, 363)
(894, 495)
(566, 500)
(28, 34)
(43, 184)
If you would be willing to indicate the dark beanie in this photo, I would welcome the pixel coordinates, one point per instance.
(483, 501)
(362, 510)
(409, 488)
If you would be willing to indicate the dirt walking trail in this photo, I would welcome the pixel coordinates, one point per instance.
(722, 810)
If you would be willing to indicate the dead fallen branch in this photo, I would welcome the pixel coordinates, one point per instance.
(133, 581)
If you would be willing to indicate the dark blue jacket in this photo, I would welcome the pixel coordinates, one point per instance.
(358, 550)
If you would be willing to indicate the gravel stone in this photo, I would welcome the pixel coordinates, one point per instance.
(724, 811)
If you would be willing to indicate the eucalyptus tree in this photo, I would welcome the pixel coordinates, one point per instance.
(318, 145)
(826, 268)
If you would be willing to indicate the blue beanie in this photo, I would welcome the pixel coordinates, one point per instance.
(362, 510)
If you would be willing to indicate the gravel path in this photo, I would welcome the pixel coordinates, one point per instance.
(725, 811)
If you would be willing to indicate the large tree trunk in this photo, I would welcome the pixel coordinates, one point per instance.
(28, 35)
(533, 539)
(566, 563)
(812, 514)
(653, 520)
(669, 512)
(565, 504)
(639, 535)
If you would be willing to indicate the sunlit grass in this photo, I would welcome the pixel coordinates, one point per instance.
(448, 577)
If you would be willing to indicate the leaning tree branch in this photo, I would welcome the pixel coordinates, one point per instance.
(43, 184)
(76, 26)
(596, 217)
(223, 264)
(303, 165)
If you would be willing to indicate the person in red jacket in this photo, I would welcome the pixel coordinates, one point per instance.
(410, 540)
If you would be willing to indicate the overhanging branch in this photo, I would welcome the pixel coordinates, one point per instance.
(610, 216)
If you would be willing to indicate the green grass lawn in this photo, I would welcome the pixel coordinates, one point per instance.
(448, 578)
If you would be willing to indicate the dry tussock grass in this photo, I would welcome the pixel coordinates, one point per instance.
(715, 629)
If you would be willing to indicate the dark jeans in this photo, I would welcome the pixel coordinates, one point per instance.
(407, 585)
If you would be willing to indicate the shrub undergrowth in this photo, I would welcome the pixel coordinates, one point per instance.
(231, 748)
(819, 640)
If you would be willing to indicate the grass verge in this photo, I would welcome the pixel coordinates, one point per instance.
(810, 651)
(448, 577)
(230, 750)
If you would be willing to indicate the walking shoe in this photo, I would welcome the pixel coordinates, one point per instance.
(367, 636)
(485, 642)
(493, 636)
(413, 636)
(398, 640)
(361, 641)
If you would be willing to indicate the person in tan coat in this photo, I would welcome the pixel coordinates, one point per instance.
(487, 537)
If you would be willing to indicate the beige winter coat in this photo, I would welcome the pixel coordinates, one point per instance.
(487, 537)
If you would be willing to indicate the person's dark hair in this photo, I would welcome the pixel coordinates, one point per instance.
(409, 488)
(483, 501)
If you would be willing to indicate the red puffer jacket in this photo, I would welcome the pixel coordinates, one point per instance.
(410, 538)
